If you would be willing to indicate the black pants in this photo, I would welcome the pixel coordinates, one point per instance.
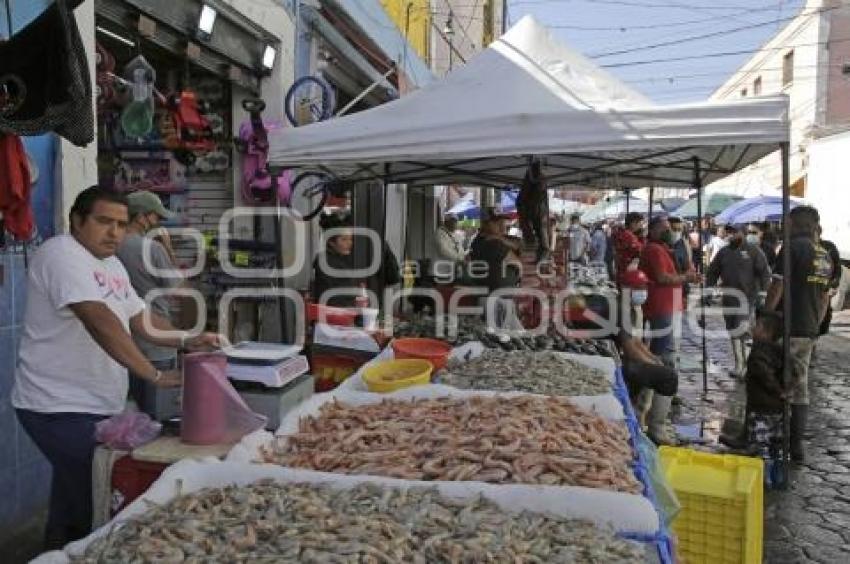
(67, 440)
(660, 378)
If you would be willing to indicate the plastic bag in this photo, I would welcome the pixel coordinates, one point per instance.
(213, 412)
(127, 430)
(668, 504)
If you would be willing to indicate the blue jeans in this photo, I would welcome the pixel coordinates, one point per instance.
(661, 339)
(67, 440)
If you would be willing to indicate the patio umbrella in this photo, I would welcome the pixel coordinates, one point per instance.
(670, 204)
(616, 208)
(712, 204)
(760, 208)
(507, 202)
(465, 209)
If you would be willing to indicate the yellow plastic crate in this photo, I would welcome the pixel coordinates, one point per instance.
(722, 499)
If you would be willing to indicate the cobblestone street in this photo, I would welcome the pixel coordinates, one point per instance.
(811, 521)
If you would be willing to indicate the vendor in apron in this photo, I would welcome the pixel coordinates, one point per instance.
(76, 348)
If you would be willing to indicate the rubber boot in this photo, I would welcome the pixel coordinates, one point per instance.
(658, 420)
(643, 402)
(736, 437)
(738, 355)
(799, 415)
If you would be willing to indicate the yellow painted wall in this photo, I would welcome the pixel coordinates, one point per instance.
(418, 27)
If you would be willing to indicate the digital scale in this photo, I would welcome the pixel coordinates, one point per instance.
(272, 379)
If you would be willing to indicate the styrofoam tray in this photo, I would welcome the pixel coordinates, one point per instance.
(623, 512)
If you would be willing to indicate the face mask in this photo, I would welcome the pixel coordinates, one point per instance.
(667, 237)
(675, 236)
(639, 297)
(752, 239)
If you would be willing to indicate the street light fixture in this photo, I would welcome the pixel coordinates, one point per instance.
(206, 21)
(269, 55)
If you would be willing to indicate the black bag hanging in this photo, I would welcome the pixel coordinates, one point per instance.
(44, 79)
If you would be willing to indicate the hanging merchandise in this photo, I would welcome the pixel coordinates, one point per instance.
(154, 171)
(193, 130)
(137, 117)
(106, 86)
(15, 187)
(44, 79)
(259, 186)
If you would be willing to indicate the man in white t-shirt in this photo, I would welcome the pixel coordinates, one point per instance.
(76, 348)
(579, 240)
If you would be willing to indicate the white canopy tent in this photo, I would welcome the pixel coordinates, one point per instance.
(528, 94)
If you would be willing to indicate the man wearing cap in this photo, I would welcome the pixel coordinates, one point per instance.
(75, 351)
(146, 211)
(740, 269)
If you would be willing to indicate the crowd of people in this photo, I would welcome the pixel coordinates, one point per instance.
(657, 262)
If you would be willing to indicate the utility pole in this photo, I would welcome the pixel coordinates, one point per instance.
(487, 28)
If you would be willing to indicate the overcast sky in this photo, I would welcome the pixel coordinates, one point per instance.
(599, 28)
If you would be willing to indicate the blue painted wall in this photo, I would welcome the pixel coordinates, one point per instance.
(24, 472)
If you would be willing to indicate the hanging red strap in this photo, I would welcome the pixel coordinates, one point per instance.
(15, 188)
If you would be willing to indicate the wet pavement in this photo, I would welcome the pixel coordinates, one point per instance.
(810, 522)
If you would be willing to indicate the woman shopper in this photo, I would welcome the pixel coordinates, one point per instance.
(332, 268)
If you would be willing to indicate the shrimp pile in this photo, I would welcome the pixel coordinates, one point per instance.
(305, 523)
(524, 440)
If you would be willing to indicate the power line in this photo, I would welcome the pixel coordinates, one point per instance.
(653, 5)
(717, 55)
(703, 36)
(759, 70)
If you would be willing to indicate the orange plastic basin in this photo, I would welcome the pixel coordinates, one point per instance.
(434, 351)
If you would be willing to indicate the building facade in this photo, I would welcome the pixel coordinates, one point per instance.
(447, 33)
(808, 61)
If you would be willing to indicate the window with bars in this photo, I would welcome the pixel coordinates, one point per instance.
(757, 87)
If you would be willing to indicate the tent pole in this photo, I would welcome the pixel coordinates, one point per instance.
(786, 307)
(698, 186)
(651, 200)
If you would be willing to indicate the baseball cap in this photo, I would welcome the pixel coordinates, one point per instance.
(144, 201)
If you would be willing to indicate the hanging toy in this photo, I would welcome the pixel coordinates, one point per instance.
(259, 185)
(193, 129)
(137, 117)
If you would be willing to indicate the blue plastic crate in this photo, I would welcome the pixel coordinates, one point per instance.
(662, 540)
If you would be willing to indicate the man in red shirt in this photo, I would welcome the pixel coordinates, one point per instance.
(665, 287)
(663, 302)
(627, 244)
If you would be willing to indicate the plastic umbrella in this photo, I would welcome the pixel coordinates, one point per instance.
(616, 208)
(507, 202)
(751, 210)
(465, 209)
(712, 204)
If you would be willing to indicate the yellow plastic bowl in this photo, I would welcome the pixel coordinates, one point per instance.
(391, 375)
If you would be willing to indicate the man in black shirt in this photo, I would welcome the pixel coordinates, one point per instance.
(739, 266)
(811, 275)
